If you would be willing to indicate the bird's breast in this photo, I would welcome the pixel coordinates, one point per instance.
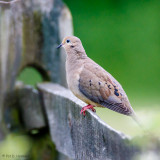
(73, 76)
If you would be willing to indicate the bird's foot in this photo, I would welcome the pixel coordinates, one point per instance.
(89, 106)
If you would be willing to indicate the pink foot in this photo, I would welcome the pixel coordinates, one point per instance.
(89, 106)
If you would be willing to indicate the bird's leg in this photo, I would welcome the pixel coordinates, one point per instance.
(89, 106)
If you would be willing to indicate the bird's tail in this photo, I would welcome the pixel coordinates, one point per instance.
(136, 119)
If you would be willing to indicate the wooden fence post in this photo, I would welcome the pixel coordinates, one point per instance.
(29, 33)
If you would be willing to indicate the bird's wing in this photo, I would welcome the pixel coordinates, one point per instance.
(100, 87)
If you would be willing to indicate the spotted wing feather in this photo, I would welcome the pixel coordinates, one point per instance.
(100, 87)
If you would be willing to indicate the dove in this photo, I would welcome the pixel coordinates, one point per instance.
(91, 83)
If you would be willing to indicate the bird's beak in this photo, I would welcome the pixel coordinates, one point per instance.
(60, 46)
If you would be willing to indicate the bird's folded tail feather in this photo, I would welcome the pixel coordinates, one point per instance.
(136, 119)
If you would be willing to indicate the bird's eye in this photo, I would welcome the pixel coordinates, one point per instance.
(68, 41)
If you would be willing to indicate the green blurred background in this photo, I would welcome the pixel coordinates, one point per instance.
(123, 36)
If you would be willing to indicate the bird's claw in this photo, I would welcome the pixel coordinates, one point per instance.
(83, 111)
(93, 109)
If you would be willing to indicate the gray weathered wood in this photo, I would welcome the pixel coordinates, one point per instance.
(31, 108)
(24, 109)
(29, 34)
(81, 138)
(75, 137)
(10, 52)
(25, 112)
(65, 29)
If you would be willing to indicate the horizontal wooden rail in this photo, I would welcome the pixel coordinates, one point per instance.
(76, 137)
(79, 137)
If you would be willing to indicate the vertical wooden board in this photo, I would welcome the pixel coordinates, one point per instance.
(10, 50)
(40, 37)
(29, 35)
(65, 29)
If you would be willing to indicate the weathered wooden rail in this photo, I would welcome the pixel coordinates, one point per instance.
(29, 33)
(76, 136)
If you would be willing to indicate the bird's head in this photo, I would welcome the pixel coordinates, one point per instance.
(72, 44)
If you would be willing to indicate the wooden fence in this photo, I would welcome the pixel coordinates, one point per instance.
(30, 30)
